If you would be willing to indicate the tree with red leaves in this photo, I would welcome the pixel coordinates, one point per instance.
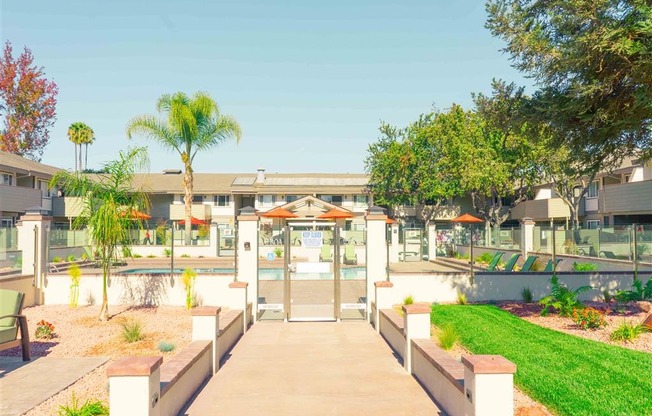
(27, 105)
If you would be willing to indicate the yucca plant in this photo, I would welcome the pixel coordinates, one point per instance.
(408, 300)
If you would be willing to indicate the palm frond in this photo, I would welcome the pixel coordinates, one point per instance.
(154, 129)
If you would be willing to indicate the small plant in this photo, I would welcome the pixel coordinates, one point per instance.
(203, 231)
(638, 292)
(461, 299)
(126, 251)
(627, 332)
(584, 267)
(89, 408)
(44, 330)
(90, 299)
(526, 294)
(538, 266)
(150, 256)
(484, 258)
(71, 258)
(84, 257)
(185, 256)
(278, 252)
(188, 277)
(561, 298)
(167, 252)
(132, 331)
(75, 277)
(165, 346)
(607, 296)
(161, 231)
(408, 300)
(447, 337)
(588, 318)
(137, 256)
(57, 259)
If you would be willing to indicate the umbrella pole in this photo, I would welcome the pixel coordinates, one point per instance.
(471, 250)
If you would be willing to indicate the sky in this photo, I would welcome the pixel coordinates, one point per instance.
(309, 82)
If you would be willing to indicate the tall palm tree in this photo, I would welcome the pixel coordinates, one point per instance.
(104, 201)
(73, 136)
(89, 138)
(191, 124)
(80, 133)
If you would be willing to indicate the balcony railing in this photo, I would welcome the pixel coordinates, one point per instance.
(628, 197)
(18, 198)
(541, 209)
(199, 211)
(67, 206)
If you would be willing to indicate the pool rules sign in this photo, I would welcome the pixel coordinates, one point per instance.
(312, 238)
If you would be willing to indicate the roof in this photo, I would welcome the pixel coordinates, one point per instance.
(15, 163)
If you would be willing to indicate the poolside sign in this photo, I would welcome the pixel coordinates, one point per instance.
(271, 256)
(312, 238)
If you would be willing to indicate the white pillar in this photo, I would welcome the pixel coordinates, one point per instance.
(213, 241)
(432, 242)
(32, 241)
(488, 385)
(134, 386)
(394, 247)
(527, 236)
(416, 324)
(376, 254)
(240, 302)
(383, 296)
(206, 326)
(248, 257)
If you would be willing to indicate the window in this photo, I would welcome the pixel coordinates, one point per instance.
(333, 199)
(605, 221)
(266, 200)
(198, 199)
(291, 198)
(592, 224)
(593, 190)
(360, 200)
(627, 178)
(222, 200)
(6, 179)
(43, 186)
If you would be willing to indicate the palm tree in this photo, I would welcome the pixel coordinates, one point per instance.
(89, 138)
(192, 124)
(73, 136)
(104, 201)
(80, 133)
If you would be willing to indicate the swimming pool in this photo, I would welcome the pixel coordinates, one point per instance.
(349, 273)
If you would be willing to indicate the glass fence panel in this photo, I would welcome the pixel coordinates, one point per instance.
(11, 259)
(68, 238)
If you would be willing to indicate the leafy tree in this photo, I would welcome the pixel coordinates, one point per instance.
(107, 200)
(592, 61)
(80, 133)
(191, 125)
(27, 105)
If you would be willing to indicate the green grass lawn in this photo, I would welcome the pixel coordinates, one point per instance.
(567, 374)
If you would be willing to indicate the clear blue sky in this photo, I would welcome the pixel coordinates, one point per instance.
(309, 82)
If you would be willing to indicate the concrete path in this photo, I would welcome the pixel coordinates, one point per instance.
(24, 385)
(312, 369)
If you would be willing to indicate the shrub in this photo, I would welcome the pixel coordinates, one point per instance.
(44, 330)
(137, 256)
(132, 331)
(461, 298)
(638, 292)
(584, 267)
(484, 258)
(526, 294)
(278, 252)
(188, 277)
(607, 296)
(185, 256)
(538, 266)
(75, 277)
(165, 346)
(627, 332)
(588, 318)
(84, 256)
(150, 256)
(71, 258)
(57, 259)
(126, 251)
(561, 298)
(447, 337)
(89, 408)
(409, 300)
(167, 252)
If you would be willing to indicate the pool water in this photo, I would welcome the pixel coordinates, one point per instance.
(349, 273)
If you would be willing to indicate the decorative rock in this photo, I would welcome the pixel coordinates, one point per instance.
(648, 322)
(644, 306)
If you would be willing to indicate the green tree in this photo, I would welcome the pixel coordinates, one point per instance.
(106, 201)
(80, 133)
(191, 124)
(592, 61)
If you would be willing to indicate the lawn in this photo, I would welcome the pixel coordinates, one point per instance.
(567, 374)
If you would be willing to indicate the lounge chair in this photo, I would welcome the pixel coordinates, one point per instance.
(11, 307)
(494, 261)
(509, 266)
(550, 266)
(529, 262)
(608, 254)
(349, 255)
(326, 254)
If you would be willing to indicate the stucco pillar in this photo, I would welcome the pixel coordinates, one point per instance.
(248, 255)
(213, 241)
(432, 242)
(240, 302)
(527, 236)
(376, 254)
(135, 386)
(383, 299)
(416, 324)
(488, 385)
(206, 327)
(32, 241)
(394, 247)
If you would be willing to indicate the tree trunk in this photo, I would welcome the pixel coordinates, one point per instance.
(104, 310)
(80, 157)
(187, 187)
(86, 157)
(75, 144)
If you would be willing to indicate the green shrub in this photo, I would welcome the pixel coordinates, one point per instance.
(484, 258)
(71, 258)
(538, 266)
(167, 252)
(165, 346)
(584, 267)
(137, 256)
(638, 292)
(126, 251)
(561, 298)
(44, 330)
(526, 294)
(447, 337)
(84, 256)
(627, 332)
(461, 299)
(185, 256)
(132, 331)
(89, 408)
(588, 318)
(607, 296)
(188, 278)
(57, 259)
(151, 256)
(278, 252)
(408, 300)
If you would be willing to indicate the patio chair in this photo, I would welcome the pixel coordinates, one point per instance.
(529, 262)
(350, 257)
(11, 307)
(551, 266)
(509, 266)
(326, 254)
(608, 254)
(494, 261)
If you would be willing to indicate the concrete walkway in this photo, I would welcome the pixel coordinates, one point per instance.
(312, 369)
(24, 385)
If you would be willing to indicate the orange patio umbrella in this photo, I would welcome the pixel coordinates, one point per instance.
(193, 221)
(335, 214)
(390, 221)
(135, 215)
(469, 219)
(278, 212)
